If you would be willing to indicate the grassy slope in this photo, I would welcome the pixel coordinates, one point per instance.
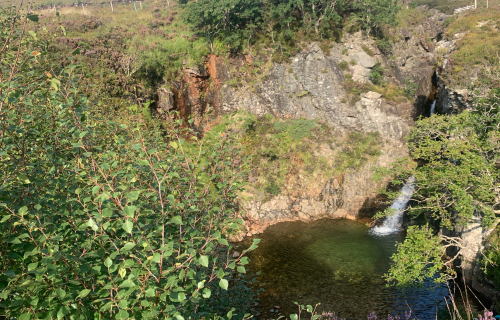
(477, 51)
(282, 150)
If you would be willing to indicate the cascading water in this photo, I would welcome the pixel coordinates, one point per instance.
(393, 222)
(433, 107)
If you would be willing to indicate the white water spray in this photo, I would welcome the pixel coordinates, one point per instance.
(393, 223)
(433, 107)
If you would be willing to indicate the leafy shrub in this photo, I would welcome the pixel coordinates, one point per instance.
(273, 188)
(343, 65)
(385, 46)
(376, 74)
(107, 220)
(492, 258)
(410, 88)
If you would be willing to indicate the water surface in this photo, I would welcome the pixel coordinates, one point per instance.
(336, 263)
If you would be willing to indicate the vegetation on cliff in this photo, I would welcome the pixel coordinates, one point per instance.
(457, 184)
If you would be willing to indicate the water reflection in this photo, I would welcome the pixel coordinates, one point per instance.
(337, 263)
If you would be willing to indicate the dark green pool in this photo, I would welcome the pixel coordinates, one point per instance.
(337, 263)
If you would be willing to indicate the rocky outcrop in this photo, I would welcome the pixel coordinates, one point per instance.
(311, 87)
(341, 197)
(473, 239)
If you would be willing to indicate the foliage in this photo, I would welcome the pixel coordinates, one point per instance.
(107, 220)
(457, 179)
(280, 149)
(418, 258)
(385, 46)
(492, 258)
(239, 22)
(376, 74)
(410, 88)
(388, 90)
(358, 149)
(343, 65)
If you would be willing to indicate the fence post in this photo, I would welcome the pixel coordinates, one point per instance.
(140, 3)
(135, 7)
(111, 2)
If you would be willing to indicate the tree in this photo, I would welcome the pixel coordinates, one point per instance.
(101, 219)
(231, 19)
(457, 181)
(374, 14)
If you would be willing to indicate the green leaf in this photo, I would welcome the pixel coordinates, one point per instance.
(309, 308)
(62, 312)
(204, 260)
(223, 241)
(33, 17)
(156, 257)
(108, 262)
(25, 316)
(241, 269)
(176, 220)
(123, 314)
(23, 210)
(32, 266)
(179, 317)
(23, 178)
(60, 293)
(223, 283)
(206, 293)
(54, 83)
(5, 218)
(129, 210)
(33, 34)
(128, 246)
(294, 317)
(84, 293)
(127, 226)
(174, 144)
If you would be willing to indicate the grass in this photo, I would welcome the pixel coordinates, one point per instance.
(389, 91)
(281, 150)
(478, 48)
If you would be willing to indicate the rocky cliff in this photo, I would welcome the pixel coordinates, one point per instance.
(312, 85)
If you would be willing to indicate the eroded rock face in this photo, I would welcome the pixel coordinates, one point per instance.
(311, 87)
(341, 197)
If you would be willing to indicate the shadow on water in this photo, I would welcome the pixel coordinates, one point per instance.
(335, 263)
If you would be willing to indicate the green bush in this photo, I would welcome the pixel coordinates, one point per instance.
(108, 220)
(385, 46)
(343, 65)
(376, 74)
(492, 258)
(410, 88)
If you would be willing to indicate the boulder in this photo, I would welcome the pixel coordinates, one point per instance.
(364, 60)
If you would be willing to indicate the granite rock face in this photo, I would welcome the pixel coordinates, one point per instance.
(311, 87)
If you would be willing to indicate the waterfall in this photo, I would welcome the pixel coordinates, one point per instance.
(433, 107)
(392, 223)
